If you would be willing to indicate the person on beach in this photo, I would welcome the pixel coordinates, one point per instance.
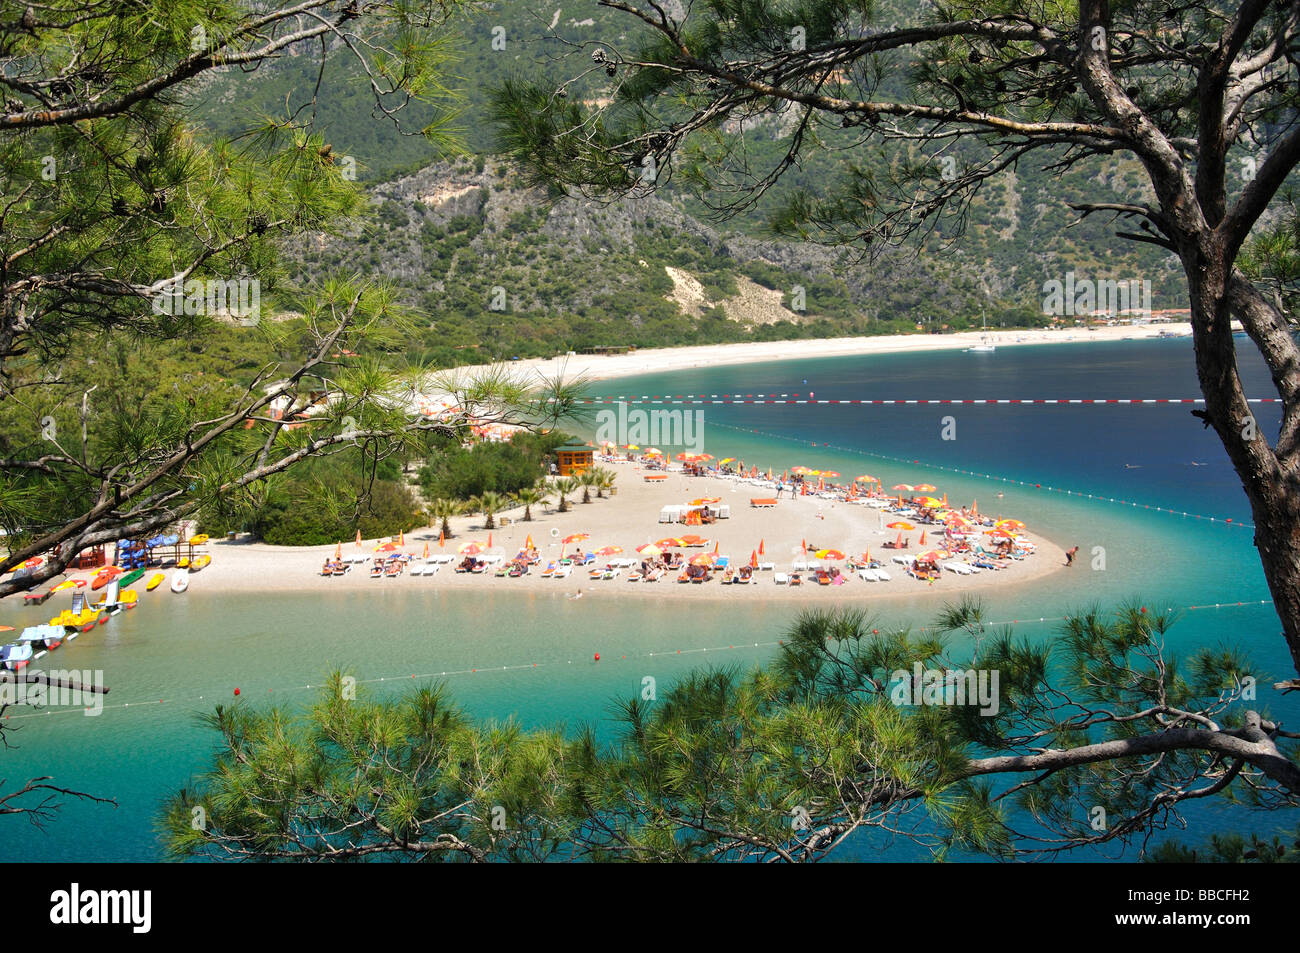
(1069, 555)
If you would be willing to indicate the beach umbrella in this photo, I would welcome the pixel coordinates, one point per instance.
(715, 548)
(358, 537)
(727, 460)
(924, 488)
(670, 541)
(902, 486)
(386, 548)
(6, 628)
(693, 540)
(803, 544)
(753, 559)
(631, 446)
(576, 538)
(649, 549)
(760, 547)
(476, 545)
(704, 456)
(489, 540)
(703, 500)
(898, 543)
(653, 452)
(442, 539)
(829, 554)
(866, 478)
(975, 507)
(821, 483)
(1011, 524)
(426, 549)
(829, 473)
(922, 543)
(401, 537)
(528, 543)
(609, 550)
(931, 556)
(702, 559)
(1000, 533)
(900, 525)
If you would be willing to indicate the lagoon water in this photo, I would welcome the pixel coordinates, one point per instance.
(530, 656)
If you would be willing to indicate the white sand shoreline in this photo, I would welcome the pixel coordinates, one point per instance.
(627, 520)
(664, 360)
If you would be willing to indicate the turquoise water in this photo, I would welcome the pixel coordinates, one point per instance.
(174, 658)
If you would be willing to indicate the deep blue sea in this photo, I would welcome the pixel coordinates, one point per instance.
(1057, 467)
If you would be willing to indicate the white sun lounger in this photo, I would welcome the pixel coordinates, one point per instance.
(902, 560)
(960, 569)
(799, 565)
(781, 579)
(767, 566)
(868, 574)
(561, 572)
(881, 575)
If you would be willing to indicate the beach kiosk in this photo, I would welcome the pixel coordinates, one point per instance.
(574, 460)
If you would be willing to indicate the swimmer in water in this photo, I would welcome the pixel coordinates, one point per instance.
(1132, 466)
(576, 595)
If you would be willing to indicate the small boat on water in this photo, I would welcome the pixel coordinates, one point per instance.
(15, 656)
(155, 581)
(133, 576)
(43, 638)
(105, 576)
(180, 580)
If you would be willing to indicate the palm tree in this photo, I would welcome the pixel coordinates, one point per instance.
(444, 510)
(586, 480)
(531, 496)
(490, 504)
(565, 486)
(605, 481)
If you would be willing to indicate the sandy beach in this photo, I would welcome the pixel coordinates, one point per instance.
(627, 520)
(663, 360)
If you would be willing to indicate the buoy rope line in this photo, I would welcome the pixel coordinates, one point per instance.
(1099, 497)
(526, 666)
(876, 401)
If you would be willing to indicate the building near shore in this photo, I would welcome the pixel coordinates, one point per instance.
(573, 460)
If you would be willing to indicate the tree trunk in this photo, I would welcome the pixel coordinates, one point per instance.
(1270, 484)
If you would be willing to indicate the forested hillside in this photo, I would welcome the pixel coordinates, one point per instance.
(498, 269)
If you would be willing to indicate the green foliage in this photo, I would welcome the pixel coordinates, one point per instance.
(781, 763)
(462, 473)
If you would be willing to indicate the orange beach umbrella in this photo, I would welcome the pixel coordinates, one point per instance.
(900, 525)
